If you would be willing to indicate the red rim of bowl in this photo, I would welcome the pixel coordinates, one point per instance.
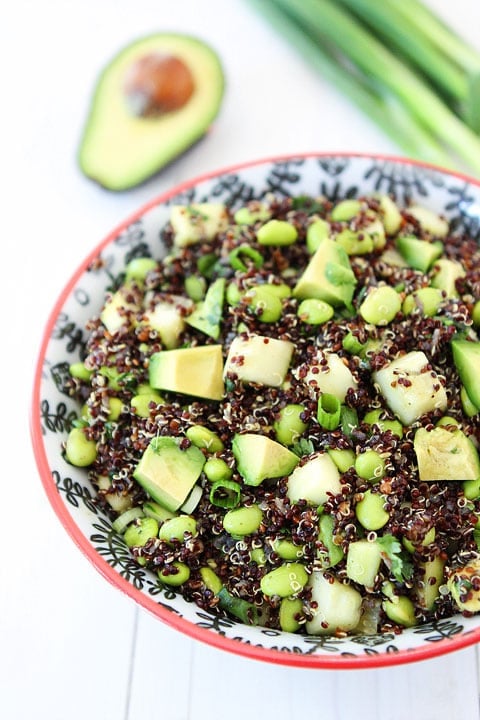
(338, 662)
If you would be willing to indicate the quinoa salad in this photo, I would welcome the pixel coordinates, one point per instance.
(281, 416)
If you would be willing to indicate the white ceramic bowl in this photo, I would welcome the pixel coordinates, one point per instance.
(334, 175)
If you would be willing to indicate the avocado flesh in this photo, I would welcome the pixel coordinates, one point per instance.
(168, 473)
(328, 276)
(258, 457)
(120, 150)
(466, 356)
(196, 371)
(445, 455)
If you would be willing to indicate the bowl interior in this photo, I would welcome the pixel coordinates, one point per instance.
(68, 489)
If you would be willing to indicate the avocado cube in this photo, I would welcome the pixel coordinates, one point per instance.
(195, 371)
(410, 389)
(168, 473)
(259, 359)
(328, 276)
(198, 222)
(258, 457)
(466, 356)
(445, 455)
(314, 481)
(419, 254)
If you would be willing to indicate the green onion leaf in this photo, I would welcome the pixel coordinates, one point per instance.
(238, 257)
(225, 493)
(328, 411)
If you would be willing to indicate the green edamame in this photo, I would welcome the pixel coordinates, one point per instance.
(345, 210)
(217, 469)
(381, 305)
(79, 371)
(343, 459)
(203, 437)
(287, 550)
(476, 314)
(180, 574)
(141, 403)
(370, 466)
(138, 268)
(177, 527)
(80, 451)
(289, 426)
(243, 521)
(211, 580)
(195, 287)
(317, 231)
(370, 511)
(315, 312)
(284, 581)
(265, 303)
(277, 232)
(290, 613)
(139, 532)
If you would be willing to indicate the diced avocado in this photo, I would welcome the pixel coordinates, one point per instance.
(208, 313)
(259, 359)
(410, 389)
(429, 220)
(391, 215)
(445, 455)
(466, 356)
(155, 99)
(315, 281)
(419, 254)
(363, 562)
(327, 373)
(167, 319)
(193, 371)
(197, 222)
(445, 275)
(258, 457)
(337, 606)
(117, 311)
(400, 610)
(168, 473)
(314, 481)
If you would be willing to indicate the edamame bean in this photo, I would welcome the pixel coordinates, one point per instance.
(287, 550)
(249, 216)
(243, 521)
(447, 420)
(374, 417)
(267, 305)
(471, 489)
(195, 287)
(233, 294)
(138, 268)
(315, 312)
(203, 437)
(211, 580)
(180, 575)
(257, 555)
(115, 406)
(345, 210)
(139, 532)
(317, 231)
(277, 232)
(80, 451)
(381, 305)
(370, 466)
(355, 243)
(284, 581)
(281, 290)
(141, 403)
(79, 371)
(217, 469)
(290, 612)
(427, 540)
(370, 511)
(289, 426)
(177, 527)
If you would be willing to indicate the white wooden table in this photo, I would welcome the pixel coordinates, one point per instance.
(54, 607)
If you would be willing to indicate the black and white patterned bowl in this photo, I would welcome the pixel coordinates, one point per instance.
(335, 176)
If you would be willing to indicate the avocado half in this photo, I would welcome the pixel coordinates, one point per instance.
(120, 149)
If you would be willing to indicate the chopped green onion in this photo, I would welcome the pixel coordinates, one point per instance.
(244, 252)
(121, 523)
(329, 411)
(348, 420)
(247, 612)
(225, 493)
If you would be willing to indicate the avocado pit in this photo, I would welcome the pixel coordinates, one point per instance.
(157, 83)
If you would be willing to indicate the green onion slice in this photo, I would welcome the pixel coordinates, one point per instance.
(225, 493)
(236, 256)
(241, 609)
(348, 420)
(328, 411)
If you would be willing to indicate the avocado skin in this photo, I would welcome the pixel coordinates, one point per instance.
(120, 151)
